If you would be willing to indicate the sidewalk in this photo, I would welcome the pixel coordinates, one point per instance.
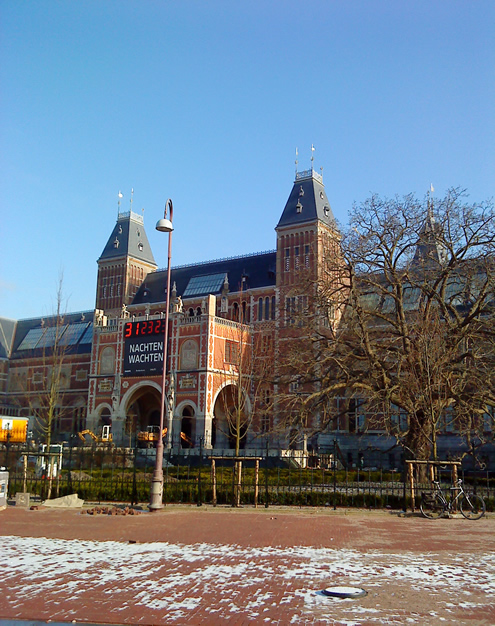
(205, 565)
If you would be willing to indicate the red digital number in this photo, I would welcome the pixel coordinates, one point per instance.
(148, 327)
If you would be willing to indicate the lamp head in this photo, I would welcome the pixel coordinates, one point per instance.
(164, 225)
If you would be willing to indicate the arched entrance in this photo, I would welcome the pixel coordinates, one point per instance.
(142, 409)
(187, 427)
(105, 417)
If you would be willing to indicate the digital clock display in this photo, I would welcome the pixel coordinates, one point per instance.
(145, 328)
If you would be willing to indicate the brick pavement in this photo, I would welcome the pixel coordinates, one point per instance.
(210, 565)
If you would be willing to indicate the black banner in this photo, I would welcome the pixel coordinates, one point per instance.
(143, 356)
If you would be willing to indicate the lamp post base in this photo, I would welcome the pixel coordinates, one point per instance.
(156, 497)
(156, 493)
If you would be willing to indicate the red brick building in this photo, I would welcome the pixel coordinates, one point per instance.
(225, 316)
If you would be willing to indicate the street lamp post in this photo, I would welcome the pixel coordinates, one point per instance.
(156, 501)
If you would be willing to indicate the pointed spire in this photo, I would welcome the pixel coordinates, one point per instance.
(430, 247)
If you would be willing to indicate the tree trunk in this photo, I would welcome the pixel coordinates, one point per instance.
(214, 482)
(419, 443)
(237, 483)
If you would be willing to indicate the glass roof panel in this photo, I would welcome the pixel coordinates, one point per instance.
(73, 333)
(201, 285)
(31, 339)
(88, 335)
(48, 339)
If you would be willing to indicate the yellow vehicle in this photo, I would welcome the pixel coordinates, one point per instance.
(105, 437)
(13, 429)
(148, 438)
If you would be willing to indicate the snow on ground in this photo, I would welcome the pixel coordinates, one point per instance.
(184, 582)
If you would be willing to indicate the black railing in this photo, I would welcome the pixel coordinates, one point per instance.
(108, 474)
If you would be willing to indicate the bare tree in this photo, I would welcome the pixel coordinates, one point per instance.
(417, 333)
(49, 379)
(238, 353)
(247, 357)
(47, 399)
(311, 314)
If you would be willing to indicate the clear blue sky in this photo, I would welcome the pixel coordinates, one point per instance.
(205, 102)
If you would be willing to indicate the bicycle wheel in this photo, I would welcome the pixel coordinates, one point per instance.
(472, 506)
(432, 506)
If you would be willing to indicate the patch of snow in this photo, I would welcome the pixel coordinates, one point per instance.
(172, 579)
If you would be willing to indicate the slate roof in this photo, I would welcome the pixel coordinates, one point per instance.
(15, 338)
(307, 202)
(430, 249)
(258, 271)
(7, 331)
(128, 238)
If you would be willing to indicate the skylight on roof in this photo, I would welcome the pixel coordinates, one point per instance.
(73, 333)
(202, 285)
(50, 337)
(88, 335)
(31, 339)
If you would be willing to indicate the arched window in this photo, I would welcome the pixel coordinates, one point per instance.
(267, 308)
(273, 307)
(189, 355)
(235, 312)
(107, 360)
(260, 309)
(187, 428)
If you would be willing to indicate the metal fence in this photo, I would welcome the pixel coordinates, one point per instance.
(123, 475)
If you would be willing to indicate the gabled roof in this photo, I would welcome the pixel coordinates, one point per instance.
(307, 202)
(128, 238)
(251, 271)
(7, 331)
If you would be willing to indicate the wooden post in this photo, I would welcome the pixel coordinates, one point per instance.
(214, 482)
(411, 484)
(238, 483)
(25, 462)
(454, 474)
(256, 475)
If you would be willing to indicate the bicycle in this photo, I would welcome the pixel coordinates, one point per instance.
(435, 505)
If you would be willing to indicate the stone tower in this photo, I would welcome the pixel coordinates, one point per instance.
(123, 264)
(307, 238)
